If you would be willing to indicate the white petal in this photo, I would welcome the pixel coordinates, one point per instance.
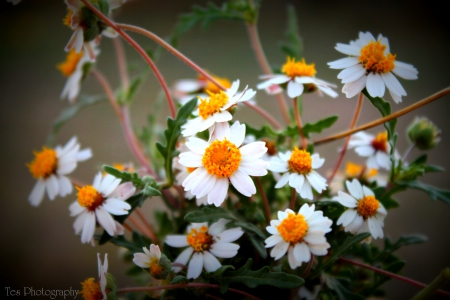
(75, 209)
(116, 206)
(141, 260)
(105, 220)
(219, 192)
(272, 230)
(221, 130)
(205, 186)
(197, 145)
(330, 92)
(224, 250)
(243, 183)
(273, 240)
(393, 84)
(254, 168)
(347, 217)
(316, 181)
(346, 200)
(405, 71)
(383, 160)
(108, 185)
(223, 116)
(282, 215)
(279, 250)
(301, 252)
(317, 162)
(375, 85)
(352, 74)
(210, 262)
(123, 191)
(293, 263)
(347, 49)
(294, 89)
(343, 63)
(177, 241)
(229, 235)
(315, 237)
(195, 266)
(397, 98)
(190, 159)
(183, 258)
(233, 89)
(97, 181)
(276, 79)
(37, 193)
(306, 192)
(306, 210)
(192, 126)
(194, 178)
(278, 165)
(283, 180)
(88, 228)
(297, 181)
(65, 186)
(353, 88)
(355, 224)
(365, 151)
(80, 220)
(367, 191)
(319, 249)
(51, 184)
(355, 188)
(237, 133)
(218, 227)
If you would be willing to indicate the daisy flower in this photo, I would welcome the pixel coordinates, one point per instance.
(221, 161)
(204, 245)
(96, 203)
(96, 290)
(72, 68)
(50, 167)
(300, 78)
(300, 235)
(375, 148)
(364, 214)
(298, 168)
(214, 109)
(370, 65)
(149, 259)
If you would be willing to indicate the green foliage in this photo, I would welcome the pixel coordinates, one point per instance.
(385, 110)
(127, 96)
(263, 276)
(433, 192)
(390, 248)
(293, 46)
(312, 127)
(415, 169)
(208, 214)
(343, 293)
(171, 134)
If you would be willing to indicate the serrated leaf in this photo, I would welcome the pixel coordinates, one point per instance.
(341, 291)
(293, 46)
(207, 214)
(171, 134)
(150, 191)
(263, 276)
(319, 125)
(433, 192)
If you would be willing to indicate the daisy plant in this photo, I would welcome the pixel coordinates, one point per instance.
(250, 233)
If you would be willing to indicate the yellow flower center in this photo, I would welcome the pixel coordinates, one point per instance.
(222, 158)
(380, 142)
(300, 161)
(212, 105)
(293, 228)
(373, 58)
(91, 290)
(68, 67)
(68, 18)
(214, 88)
(368, 206)
(354, 170)
(372, 172)
(89, 197)
(44, 163)
(300, 68)
(155, 268)
(199, 239)
(271, 147)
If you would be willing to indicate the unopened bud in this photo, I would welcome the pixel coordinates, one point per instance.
(423, 133)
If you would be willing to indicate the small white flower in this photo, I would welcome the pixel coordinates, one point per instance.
(299, 166)
(186, 89)
(50, 167)
(375, 148)
(148, 259)
(371, 65)
(97, 202)
(300, 235)
(221, 161)
(214, 109)
(300, 78)
(102, 270)
(204, 245)
(364, 214)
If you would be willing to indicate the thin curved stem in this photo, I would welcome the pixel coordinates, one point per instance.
(293, 198)
(385, 119)
(109, 93)
(194, 66)
(304, 143)
(122, 63)
(347, 140)
(183, 286)
(139, 50)
(264, 198)
(392, 275)
(139, 226)
(151, 231)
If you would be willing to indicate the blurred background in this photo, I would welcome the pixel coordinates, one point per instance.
(38, 246)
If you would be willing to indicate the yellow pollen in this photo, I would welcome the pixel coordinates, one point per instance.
(380, 142)
(373, 58)
(300, 162)
(91, 290)
(222, 158)
(214, 88)
(372, 172)
(199, 239)
(44, 163)
(293, 228)
(368, 206)
(190, 170)
(352, 169)
(212, 105)
(300, 68)
(155, 268)
(89, 197)
(68, 67)
(68, 18)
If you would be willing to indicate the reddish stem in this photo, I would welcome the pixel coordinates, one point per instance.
(304, 143)
(150, 229)
(264, 198)
(293, 198)
(122, 63)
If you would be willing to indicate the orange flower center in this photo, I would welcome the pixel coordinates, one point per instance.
(300, 161)
(222, 158)
(354, 170)
(155, 268)
(373, 58)
(91, 290)
(271, 147)
(44, 164)
(89, 197)
(212, 105)
(199, 239)
(293, 228)
(68, 18)
(300, 68)
(190, 170)
(380, 142)
(68, 67)
(368, 206)
(214, 88)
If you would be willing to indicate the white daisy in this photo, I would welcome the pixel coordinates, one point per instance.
(300, 235)
(370, 65)
(186, 89)
(72, 68)
(299, 166)
(214, 109)
(300, 78)
(221, 161)
(204, 245)
(375, 148)
(364, 213)
(102, 270)
(183, 173)
(96, 290)
(50, 167)
(149, 259)
(97, 202)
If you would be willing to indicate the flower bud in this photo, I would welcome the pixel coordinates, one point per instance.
(423, 133)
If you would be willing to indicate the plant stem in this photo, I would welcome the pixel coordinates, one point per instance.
(308, 268)
(127, 227)
(109, 93)
(122, 63)
(182, 286)
(139, 226)
(194, 66)
(304, 143)
(397, 114)
(347, 140)
(139, 50)
(264, 64)
(141, 216)
(405, 156)
(392, 275)
(293, 198)
(433, 287)
(264, 198)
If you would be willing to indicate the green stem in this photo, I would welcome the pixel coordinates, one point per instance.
(433, 287)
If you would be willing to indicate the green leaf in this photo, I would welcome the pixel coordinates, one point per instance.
(126, 96)
(293, 47)
(263, 276)
(179, 279)
(171, 134)
(217, 273)
(341, 291)
(385, 110)
(247, 227)
(258, 244)
(433, 192)
(120, 241)
(150, 191)
(319, 125)
(207, 214)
